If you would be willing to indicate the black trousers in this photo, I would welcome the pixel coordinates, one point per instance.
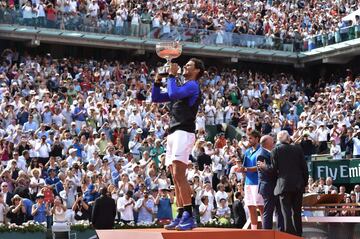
(291, 203)
(271, 203)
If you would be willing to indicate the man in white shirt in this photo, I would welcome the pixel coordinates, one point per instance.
(229, 109)
(135, 144)
(89, 149)
(73, 6)
(200, 121)
(322, 137)
(357, 192)
(220, 194)
(329, 187)
(125, 206)
(72, 157)
(94, 8)
(111, 157)
(120, 18)
(41, 13)
(210, 111)
(43, 150)
(135, 117)
(135, 22)
(356, 146)
(20, 162)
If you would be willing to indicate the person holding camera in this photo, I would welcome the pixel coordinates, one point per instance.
(184, 104)
(307, 143)
(81, 208)
(43, 149)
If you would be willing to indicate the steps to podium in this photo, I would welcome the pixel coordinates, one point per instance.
(197, 233)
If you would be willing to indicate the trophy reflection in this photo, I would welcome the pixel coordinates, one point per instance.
(168, 51)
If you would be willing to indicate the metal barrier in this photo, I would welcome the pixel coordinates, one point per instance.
(84, 23)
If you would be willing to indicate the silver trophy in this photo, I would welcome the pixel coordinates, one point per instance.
(168, 51)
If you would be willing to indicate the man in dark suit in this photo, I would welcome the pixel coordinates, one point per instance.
(238, 210)
(104, 211)
(267, 182)
(292, 174)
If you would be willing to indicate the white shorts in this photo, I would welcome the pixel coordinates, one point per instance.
(252, 196)
(179, 146)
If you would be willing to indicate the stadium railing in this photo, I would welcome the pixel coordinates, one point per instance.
(85, 23)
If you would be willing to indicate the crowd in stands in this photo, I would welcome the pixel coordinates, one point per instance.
(305, 24)
(69, 127)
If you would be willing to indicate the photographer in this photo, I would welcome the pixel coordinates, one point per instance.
(307, 144)
(81, 208)
(57, 147)
(43, 150)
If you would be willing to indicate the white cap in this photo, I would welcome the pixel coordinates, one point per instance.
(72, 150)
(303, 114)
(63, 195)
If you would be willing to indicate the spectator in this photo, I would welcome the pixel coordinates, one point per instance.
(40, 210)
(329, 187)
(17, 211)
(81, 209)
(164, 200)
(206, 210)
(6, 195)
(3, 209)
(223, 211)
(238, 210)
(145, 207)
(59, 212)
(36, 183)
(125, 206)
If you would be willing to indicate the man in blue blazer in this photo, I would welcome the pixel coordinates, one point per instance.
(267, 183)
